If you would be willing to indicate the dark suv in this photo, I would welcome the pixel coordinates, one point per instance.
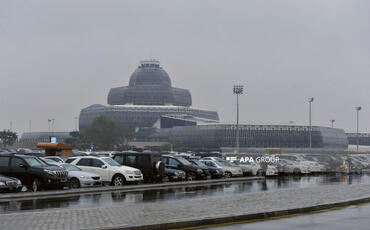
(192, 171)
(33, 172)
(150, 163)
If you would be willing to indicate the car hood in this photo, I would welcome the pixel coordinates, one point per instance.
(53, 168)
(81, 173)
(5, 178)
(124, 167)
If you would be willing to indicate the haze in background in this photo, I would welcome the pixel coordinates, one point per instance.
(57, 57)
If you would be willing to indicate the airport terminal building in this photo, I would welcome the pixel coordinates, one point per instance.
(140, 104)
(217, 135)
(158, 112)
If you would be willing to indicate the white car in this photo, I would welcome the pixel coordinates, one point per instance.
(108, 169)
(292, 167)
(314, 166)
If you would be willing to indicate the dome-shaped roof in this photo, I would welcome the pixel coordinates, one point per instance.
(149, 85)
(150, 73)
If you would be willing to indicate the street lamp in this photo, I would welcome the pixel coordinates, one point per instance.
(49, 120)
(332, 123)
(238, 90)
(310, 100)
(76, 123)
(358, 124)
(52, 125)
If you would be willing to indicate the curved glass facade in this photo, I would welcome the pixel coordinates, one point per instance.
(258, 136)
(132, 116)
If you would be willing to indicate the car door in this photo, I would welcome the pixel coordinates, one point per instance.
(96, 167)
(4, 165)
(173, 163)
(85, 164)
(18, 170)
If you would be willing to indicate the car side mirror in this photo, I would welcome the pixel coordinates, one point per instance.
(23, 166)
(103, 166)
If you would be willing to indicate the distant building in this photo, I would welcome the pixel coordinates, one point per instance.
(30, 139)
(140, 104)
(219, 135)
(363, 138)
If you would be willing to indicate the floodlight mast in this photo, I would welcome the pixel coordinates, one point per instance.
(358, 125)
(310, 100)
(237, 90)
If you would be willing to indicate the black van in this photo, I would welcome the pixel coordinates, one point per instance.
(33, 172)
(149, 163)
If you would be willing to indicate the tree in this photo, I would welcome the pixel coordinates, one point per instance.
(8, 137)
(105, 134)
(77, 140)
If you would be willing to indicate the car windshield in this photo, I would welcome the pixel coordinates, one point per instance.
(34, 162)
(69, 167)
(199, 163)
(219, 163)
(110, 161)
(184, 161)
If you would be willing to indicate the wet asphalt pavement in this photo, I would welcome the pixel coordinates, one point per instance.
(352, 217)
(109, 199)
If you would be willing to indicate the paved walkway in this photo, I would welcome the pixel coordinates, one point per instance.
(182, 210)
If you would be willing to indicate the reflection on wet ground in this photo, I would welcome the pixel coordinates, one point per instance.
(107, 199)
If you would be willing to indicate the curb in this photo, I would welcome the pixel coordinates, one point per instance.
(129, 188)
(187, 223)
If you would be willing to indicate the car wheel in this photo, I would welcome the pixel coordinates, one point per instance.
(75, 183)
(228, 174)
(36, 185)
(118, 180)
(191, 176)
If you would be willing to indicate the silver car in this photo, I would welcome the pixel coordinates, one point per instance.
(229, 169)
(78, 178)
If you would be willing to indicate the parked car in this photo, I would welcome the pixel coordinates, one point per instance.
(108, 169)
(78, 178)
(286, 166)
(150, 163)
(33, 172)
(9, 184)
(192, 171)
(175, 174)
(230, 171)
(213, 171)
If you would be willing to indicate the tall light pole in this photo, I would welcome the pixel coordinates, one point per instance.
(358, 124)
(30, 125)
(49, 120)
(332, 123)
(310, 100)
(11, 126)
(76, 118)
(52, 125)
(238, 90)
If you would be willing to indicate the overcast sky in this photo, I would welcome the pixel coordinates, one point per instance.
(57, 57)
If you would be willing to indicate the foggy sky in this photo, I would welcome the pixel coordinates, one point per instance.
(57, 57)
